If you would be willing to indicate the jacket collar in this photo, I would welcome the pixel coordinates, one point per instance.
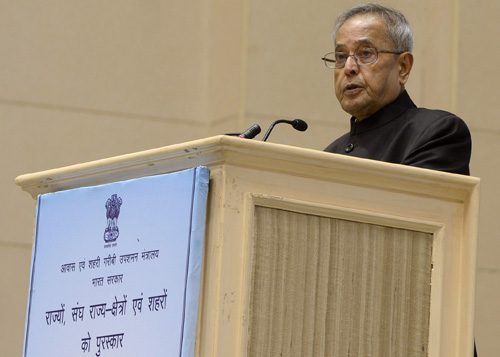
(383, 116)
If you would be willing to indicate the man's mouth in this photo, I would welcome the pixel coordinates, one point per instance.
(352, 89)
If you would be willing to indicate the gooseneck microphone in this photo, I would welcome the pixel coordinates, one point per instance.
(298, 124)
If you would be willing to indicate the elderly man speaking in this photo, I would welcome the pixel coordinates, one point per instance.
(372, 63)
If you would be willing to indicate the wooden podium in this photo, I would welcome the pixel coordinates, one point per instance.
(309, 253)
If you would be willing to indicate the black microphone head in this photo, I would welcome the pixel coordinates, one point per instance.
(251, 132)
(299, 124)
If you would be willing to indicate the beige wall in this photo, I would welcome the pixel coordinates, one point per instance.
(83, 80)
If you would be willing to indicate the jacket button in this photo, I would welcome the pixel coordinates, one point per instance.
(349, 148)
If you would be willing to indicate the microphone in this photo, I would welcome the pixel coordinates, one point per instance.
(251, 132)
(298, 124)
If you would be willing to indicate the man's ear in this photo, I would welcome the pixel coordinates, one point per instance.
(405, 65)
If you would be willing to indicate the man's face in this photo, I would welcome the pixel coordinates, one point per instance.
(363, 90)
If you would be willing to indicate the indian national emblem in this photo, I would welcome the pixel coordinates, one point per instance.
(112, 232)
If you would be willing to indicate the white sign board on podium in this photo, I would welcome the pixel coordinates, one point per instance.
(116, 268)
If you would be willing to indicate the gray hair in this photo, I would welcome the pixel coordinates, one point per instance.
(398, 27)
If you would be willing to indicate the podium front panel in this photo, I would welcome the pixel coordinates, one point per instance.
(323, 286)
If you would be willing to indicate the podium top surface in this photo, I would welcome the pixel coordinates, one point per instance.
(226, 150)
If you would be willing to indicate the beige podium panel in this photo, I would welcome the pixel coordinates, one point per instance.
(315, 254)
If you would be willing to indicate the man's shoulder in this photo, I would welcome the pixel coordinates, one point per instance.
(424, 118)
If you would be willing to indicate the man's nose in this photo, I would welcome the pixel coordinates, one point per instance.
(351, 66)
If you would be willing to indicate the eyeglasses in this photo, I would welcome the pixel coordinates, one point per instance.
(363, 56)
